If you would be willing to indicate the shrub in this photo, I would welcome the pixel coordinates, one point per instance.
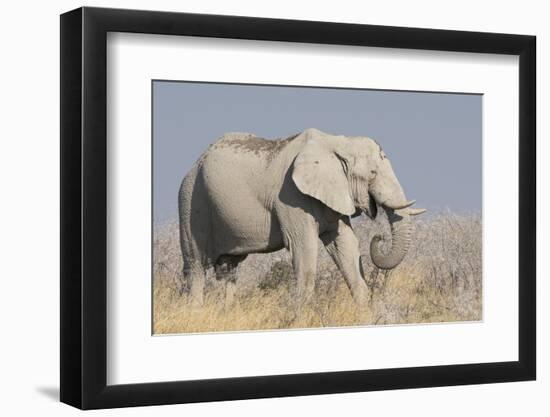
(439, 280)
(280, 274)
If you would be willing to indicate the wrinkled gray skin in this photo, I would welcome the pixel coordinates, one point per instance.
(250, 195)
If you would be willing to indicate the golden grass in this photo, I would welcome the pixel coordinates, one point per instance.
(439, 281)
(402, 302)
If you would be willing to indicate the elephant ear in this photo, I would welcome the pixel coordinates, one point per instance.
(319, 173)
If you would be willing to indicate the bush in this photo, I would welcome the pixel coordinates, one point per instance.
(440, 280)
(280, 274)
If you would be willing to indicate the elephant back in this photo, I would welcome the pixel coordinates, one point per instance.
(247, 144)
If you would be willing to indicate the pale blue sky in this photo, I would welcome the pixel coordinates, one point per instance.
(433, 140)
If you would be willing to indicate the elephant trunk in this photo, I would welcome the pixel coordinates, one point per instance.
(400, 225)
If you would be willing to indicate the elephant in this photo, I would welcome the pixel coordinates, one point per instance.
(249, 195)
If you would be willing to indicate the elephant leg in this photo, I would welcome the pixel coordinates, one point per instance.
(304, 260)
(195, 274)
(343, 247)
(226, 270)
(230, 290)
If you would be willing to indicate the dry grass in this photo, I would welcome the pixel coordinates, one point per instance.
(440, 280)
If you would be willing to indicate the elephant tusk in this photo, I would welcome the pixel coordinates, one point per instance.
(416, 211)
(401, 206)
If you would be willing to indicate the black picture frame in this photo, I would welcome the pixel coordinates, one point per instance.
(84, 207)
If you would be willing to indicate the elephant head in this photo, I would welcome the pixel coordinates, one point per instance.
(353, 175)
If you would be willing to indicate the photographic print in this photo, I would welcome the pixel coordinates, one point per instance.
(330, 187)
(288, 207)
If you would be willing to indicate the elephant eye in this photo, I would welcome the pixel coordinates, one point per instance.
(372, 174)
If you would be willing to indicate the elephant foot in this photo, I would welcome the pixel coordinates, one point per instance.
(362, 300)
(196, 301)
(230, 298)
(301, 307)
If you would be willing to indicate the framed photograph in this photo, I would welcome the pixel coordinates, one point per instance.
(257, 207)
